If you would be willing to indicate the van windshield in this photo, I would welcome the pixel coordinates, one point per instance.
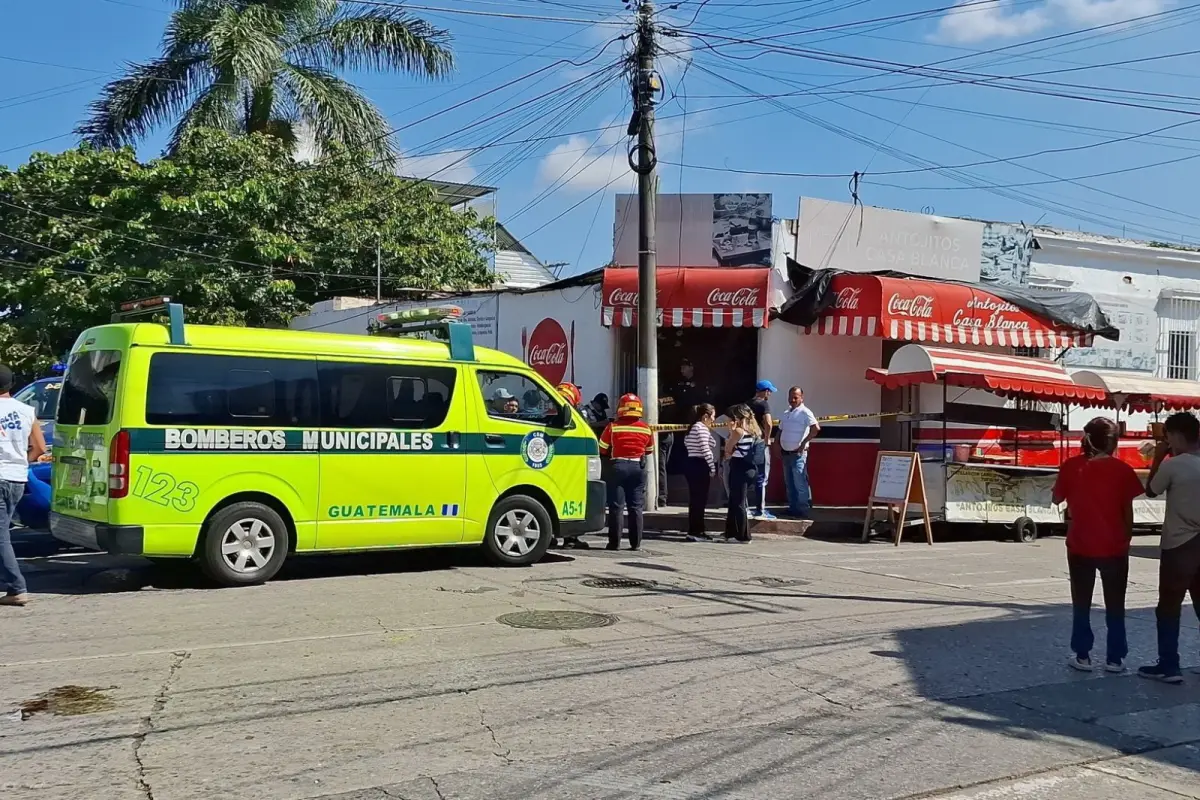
(89, 389)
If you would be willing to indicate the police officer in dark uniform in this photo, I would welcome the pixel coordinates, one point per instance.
(625, 442)
(677, 403)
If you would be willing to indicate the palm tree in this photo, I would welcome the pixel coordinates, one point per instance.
(268, 66)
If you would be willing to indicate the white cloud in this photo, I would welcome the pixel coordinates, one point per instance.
(1104, 12)
(586, 163)
(972, 21)
(453, 166)
(976, 22)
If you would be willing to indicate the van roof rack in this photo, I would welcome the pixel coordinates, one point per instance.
(150, 306)
(444, 322)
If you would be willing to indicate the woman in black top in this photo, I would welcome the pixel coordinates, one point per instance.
(744, 452)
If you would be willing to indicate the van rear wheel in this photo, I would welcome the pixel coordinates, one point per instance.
(244, 544)
(519, 532)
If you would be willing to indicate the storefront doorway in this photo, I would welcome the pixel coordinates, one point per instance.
(724, 360)
(724, 365)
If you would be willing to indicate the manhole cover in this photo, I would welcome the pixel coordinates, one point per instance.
(619, 583)
(556, 620)
(776, 583)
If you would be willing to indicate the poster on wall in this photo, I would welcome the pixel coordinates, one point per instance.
(699, 230)
(1006, 254)
(1137, 319)
(841, 236)
(479, 311)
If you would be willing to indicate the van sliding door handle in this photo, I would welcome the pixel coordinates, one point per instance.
(493, 440)
(452, 440)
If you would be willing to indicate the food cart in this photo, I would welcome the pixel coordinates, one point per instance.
(1009, 480)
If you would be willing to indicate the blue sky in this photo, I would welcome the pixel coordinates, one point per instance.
(752, 105)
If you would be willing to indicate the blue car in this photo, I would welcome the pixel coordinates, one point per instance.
(34, 509)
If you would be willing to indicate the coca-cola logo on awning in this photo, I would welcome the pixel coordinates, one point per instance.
(745, 297)
(847, 298)
(919, 307)
(623, 298)
(547, 351)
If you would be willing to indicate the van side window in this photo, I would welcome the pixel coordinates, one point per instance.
(511, 396)
(231, 391)
(385, 395)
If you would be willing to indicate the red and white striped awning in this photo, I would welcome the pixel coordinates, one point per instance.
(914, 310)
(1142, 392)
(691, 297)
(1007, 375)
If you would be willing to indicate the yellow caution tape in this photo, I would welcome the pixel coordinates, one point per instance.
(835, 418)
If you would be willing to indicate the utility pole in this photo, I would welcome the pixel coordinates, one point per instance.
(378, 269)
(646, 86)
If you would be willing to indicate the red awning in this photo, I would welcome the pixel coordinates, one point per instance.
(691, 297)
(1007, 375)
(914, 310)
(1142, 392)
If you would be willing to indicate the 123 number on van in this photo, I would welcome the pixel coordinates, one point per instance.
(163, 489)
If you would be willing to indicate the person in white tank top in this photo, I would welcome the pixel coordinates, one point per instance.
(21, 442)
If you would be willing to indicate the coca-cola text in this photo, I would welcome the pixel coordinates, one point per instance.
(847, 298)
(919, 307)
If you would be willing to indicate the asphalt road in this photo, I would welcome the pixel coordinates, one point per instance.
(780, 669)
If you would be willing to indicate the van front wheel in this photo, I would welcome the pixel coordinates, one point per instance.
(518, 532)
(244, 544)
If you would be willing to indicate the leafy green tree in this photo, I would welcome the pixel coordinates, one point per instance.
(268, 66)
(232, 226)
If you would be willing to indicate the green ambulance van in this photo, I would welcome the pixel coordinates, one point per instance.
(239, 447)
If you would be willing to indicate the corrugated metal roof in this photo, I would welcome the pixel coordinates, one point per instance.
(520, 270)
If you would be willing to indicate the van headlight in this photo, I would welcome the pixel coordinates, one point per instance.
(593, 468)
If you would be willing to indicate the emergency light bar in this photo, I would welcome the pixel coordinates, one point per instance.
(444, 322)
(153, 305)
(394, 319)
(145, 304)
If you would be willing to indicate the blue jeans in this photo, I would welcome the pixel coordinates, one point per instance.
(760, 485)
(1114, 576)
(795, 478)
(10, 572)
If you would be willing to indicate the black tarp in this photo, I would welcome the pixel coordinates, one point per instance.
(812, 296)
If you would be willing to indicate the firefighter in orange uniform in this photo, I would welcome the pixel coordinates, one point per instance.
(626, 442)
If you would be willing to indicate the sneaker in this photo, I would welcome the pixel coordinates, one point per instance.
(1161, 674)
(768, 516)
(14, 600)
(1081, 663)
(699, 537)
(1115, 667)
(611, 546)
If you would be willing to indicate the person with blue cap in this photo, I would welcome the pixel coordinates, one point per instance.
(760, 404)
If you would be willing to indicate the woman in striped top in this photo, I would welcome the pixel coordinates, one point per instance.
(701, 466)
(743, 451)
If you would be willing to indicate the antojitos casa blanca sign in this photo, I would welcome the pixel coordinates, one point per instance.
(550, 350)
(915, 309)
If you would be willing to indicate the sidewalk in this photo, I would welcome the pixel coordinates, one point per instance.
(836, 522)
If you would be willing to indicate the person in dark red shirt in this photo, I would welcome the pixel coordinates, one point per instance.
(1099, 491)
(626, 442)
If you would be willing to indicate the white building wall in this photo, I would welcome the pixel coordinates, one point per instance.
(1146, 291)
(507, 321)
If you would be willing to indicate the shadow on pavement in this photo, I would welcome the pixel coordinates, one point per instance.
(52, 568)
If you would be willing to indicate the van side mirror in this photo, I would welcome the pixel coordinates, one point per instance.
(562, 418)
